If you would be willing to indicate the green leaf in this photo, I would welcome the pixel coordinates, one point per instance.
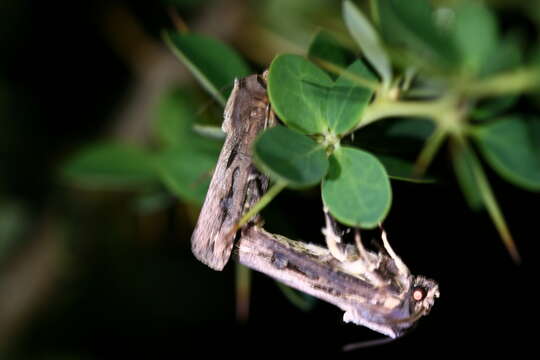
(400, 169)
(400, 137)
(187, 170)
(356, 190)
(187, 159)
(475, 33)
(413, 128)
(491, 107)
(410, 25)
(507, 55)
(287, 155)
(325, 49)
(347, 99)
(511, 146)
(175, 118)
(465, 164)
(213, 63)
(110, 165)
(368, 40)
(491, 204)
(298, 91)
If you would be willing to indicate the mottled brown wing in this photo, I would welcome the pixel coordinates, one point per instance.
(246, 114)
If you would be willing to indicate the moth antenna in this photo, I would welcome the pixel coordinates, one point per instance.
(332, 238)
(410, 319)
(377, 342)
(369, 343)
(402, 268)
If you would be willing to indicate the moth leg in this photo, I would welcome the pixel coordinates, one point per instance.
(362, 252)
(403, 270)
(332, 238)
(366, 264)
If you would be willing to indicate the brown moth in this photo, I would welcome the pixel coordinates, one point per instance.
(236, 183)
(375, 289)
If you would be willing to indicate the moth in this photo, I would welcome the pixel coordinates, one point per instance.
(236, 184)
(375, 289)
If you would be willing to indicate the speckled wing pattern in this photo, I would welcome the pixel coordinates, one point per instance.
(235, 180)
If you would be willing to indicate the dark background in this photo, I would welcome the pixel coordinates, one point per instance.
(91, 278)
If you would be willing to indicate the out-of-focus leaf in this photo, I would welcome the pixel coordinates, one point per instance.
(298, 91)
(213, 63)
(187, 170)
(410, 25)
(400, 169)
(175, 118)
(326, 49)
(511, 145)
(356, 190)
(414, 128)
(464, 164)
(368, 40)
(347, 99)
(187, 159)
(111, 165)
(289, 156)
(402, 138)
(475, 33)
(505, 56)
(490, 108)
(152, 202)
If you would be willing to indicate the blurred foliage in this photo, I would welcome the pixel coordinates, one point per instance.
(95, 221)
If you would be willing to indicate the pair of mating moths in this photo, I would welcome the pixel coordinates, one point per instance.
(375, 289)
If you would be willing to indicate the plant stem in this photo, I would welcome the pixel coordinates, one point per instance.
(493, 208)
(428, 152)
(521, 80)
(243, 291)
(261, 204)
(384, 109)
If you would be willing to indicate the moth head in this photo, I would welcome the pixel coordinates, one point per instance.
(423, 294)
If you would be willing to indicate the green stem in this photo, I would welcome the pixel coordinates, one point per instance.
(516, 81)
(261, 204)
(428, 152)
(493, 208)
(384, 109)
